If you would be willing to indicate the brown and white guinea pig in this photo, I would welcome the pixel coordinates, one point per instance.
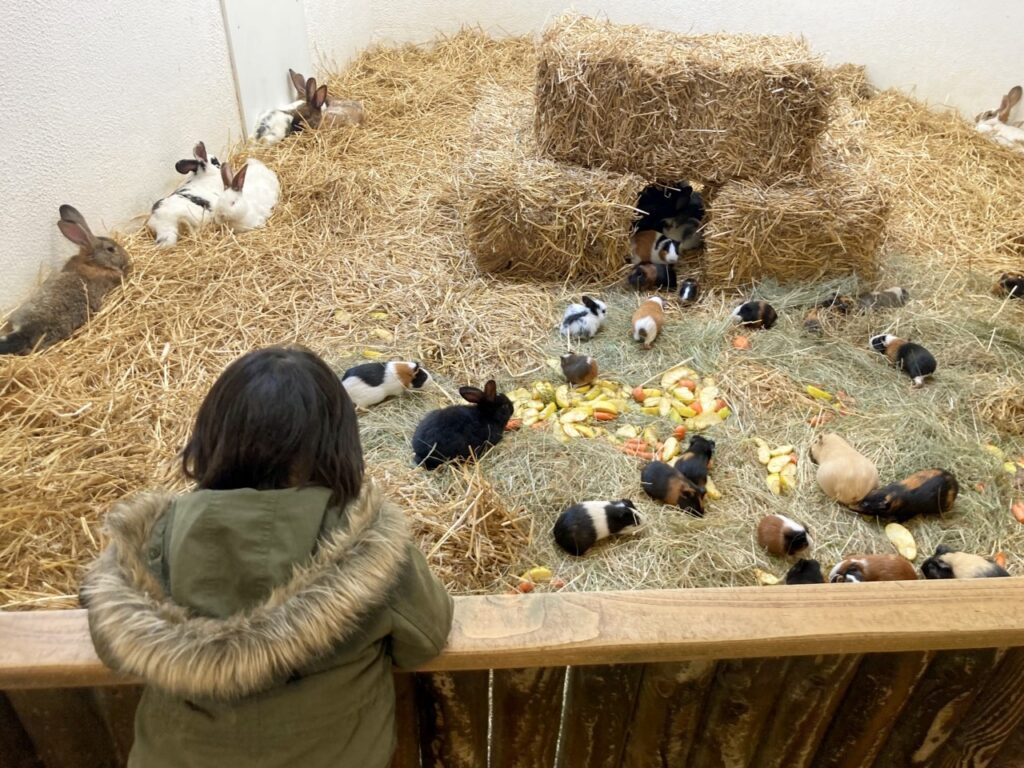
(372, 383)
(887, 299)
(913, 359)
(1010, 284)
(928, 492)
(578, 369)
(650, 245)
(844, 474)
(756, 314)
(696, 460)
(664, 483)
(646, 276)
(689, 290)
(781, 536)
(582, 525)
(834, 303)
(805, 571)
(873, 568)
(648, 321)
(947, 563)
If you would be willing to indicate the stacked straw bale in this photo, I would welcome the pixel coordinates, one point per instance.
(666, 106)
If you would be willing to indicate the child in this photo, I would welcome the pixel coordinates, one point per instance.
(265, 608)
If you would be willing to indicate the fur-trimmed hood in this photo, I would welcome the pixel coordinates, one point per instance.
(139, 630)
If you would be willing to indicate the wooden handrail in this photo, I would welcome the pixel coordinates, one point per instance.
(52, 649)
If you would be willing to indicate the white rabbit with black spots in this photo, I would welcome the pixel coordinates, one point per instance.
(190, 204)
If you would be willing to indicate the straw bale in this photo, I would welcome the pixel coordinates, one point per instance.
(804, 228)
(668, 106)
(850, 81)
(1004, 409)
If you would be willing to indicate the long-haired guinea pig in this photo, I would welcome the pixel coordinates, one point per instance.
(887, 299)
(947, 563)
(843, 474)
(781, 536)
(805, 571)
(873, 568)
(696, 460)
(756, 314)
(372, 383)
(646, 276)
(1010, 284)
(662, 482)
(648, 321)
(582, 525)
(928, 492)
(913, 359)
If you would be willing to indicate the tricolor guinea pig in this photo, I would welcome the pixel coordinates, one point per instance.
(647, 276)
(689, 290)
(372, 383)
(805, 571)
(873, 568)
(947, 563)
(696, 460)
(928, 492)
(844, 474)
(582, 525)
(756, 314)
(1010, 284)
(648, 320)
(887, 299)
(913, 359)
(578, 369)
(650, 245)
(662, 482)
(781, 536)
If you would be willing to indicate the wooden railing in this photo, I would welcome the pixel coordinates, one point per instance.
(885, 675)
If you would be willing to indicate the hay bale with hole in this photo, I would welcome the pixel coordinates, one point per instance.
(803, 228)
(669, 106)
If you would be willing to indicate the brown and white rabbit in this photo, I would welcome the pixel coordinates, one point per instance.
(64, 302)
(337, 112)
(1006, 124)
(274, 124)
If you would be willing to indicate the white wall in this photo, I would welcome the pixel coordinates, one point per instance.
(338, 30)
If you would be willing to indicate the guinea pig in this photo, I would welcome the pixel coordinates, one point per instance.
(781, 536)
(887, 299)
(647, 276)
(582, 525)
(928, 492)
(1010, 284)
(843, 474)
(756, 314)
(947, 563)
(662, 482)
(812, 321)
(805, 571)
(689, 290)
(696, 460)
(648, 320)
(873, 568)
(372, 383)
(651, 245)
(578, 369)
(913, 359)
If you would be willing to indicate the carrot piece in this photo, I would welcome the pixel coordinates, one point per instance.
(1018, 511)
(679, 432)
(638, 394)
(690, 384)
(741, 342)
(1000, 559)
(602, 416)
(697, 407)
(525, 586)
(513, 424)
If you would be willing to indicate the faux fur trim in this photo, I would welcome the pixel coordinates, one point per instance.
(139, 630)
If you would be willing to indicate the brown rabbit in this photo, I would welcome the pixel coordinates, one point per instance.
(336, 111)
(310, 113)
(64, 302)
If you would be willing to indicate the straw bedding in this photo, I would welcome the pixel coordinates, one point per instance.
(668, 106)
(366, 252)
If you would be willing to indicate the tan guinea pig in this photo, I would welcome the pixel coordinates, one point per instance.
(873, 568)
(843, 474)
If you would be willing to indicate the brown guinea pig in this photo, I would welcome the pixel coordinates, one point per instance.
(873, 568)
(579, 369)
(928, 492)
(664, 483)
(756, 314)
(843, 474)
(648, 321)
(781, 536)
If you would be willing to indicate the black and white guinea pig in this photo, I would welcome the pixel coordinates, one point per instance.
(947, 563)
(928, 492)
(584, 320)
(646, 276)
(1010, 284)
(913, 359)
(805, 571)
(756, 314)
(781, 536)
(887, 299)
(372, 383)
(861, 568)
(664, 483)
(689, 290)
(582, 525)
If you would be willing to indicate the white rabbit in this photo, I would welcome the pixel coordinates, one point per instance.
(249, 196)
(1004, 125)
(190, 204)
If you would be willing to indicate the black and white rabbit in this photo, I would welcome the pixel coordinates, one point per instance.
(584, 320)
(190, 204)
(460, 432)
(273, 125)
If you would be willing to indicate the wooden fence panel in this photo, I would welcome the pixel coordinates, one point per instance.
(117, 705)
(1012, 753)
(738, 705)
(65, 727)
(407, 753)
(873, 702)
(453, 713)
(527, 717)
(668, 711)
(808, 698)
(598, 713)
(15, 745)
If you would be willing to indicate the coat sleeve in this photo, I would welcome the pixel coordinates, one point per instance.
(421, 614)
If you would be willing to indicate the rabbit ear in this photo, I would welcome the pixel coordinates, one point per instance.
(1014, 95)
(319, 97)
(239, 180)
(1004, 109)
(70, 213)
(471, 394)
(226, 175)
(490, 390)
(186, 166)
(310, 89)
(76, 233)
(199, 151)
(298, 81)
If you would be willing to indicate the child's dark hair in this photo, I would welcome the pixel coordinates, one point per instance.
(277, 418)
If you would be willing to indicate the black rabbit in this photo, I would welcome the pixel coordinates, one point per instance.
(462, 431)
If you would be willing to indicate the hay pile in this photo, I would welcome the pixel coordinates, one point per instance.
(530, 217)
(367, 252)
(668, 106)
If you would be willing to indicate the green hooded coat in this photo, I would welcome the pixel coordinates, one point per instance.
(265, 624)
